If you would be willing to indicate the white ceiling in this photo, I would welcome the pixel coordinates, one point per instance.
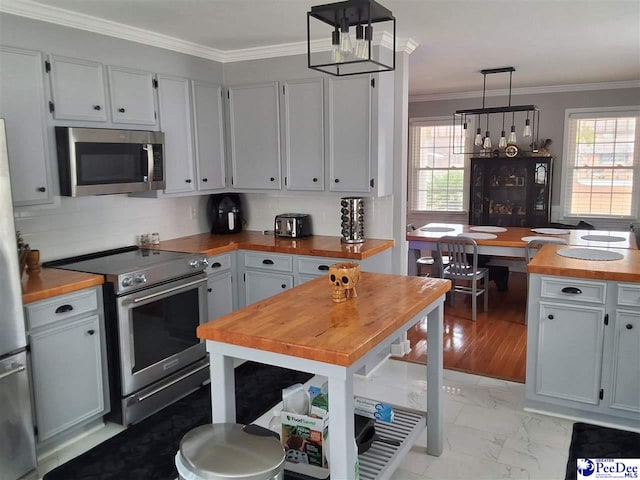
(549, 42)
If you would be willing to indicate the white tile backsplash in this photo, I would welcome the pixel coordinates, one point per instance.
(260, 210)
(73, 226)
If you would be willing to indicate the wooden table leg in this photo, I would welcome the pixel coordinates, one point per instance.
(341, 427)
(223, 388)
(434, 379)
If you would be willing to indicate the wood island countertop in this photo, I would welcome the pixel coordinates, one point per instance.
(49, 282)
(547, 262)
(315, 245)
(306, 323)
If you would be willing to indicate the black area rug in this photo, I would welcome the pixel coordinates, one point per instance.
(147, 450)
(592, 441)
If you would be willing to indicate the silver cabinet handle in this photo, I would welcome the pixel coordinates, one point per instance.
(13, 371)
(168, 290)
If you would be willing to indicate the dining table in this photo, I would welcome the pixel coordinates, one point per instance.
(511, 242)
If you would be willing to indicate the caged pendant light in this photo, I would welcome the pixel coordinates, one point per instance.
(369, 19)
(529, 132)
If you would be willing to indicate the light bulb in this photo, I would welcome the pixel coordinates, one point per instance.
(502, 143)
(478, 141)
(512, 136)
(362, 47)
(345, 40)
(336, 54)
(487, 141)
(527, 128)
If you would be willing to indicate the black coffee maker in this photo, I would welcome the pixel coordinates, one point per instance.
(224, 211)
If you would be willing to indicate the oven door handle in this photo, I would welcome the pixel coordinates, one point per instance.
(141, 398)
(168, 290)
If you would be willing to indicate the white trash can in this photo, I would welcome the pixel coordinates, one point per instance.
(225, 451)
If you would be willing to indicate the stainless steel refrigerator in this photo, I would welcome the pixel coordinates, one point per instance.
(17, 444)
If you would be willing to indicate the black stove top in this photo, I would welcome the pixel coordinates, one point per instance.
(134, 267)
(117, 261)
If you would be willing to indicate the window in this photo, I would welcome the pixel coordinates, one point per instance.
(436, 175)
(601, 167)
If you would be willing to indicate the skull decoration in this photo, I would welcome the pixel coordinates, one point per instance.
(344, 278)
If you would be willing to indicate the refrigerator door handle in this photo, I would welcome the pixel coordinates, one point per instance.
(13, 371)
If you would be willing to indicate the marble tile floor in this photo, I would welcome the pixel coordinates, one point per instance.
(488, 435)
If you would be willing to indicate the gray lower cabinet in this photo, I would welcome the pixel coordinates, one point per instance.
(583, 354)
(22, 105)
(68, 363)
(221, 299)
(261, 285)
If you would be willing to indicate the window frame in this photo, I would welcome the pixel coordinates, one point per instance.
(437, 121)
(572, 114)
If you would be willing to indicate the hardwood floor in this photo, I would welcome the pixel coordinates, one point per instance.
(495, 345)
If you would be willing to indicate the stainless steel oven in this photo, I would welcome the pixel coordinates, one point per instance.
(154, 301)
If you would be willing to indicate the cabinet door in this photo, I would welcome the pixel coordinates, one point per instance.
(77, 87)
(131, 96)
(303, 116)
(261, 285)
(175, 121)
(254, 135)
(569, 360)
(625, 391)
(350, 134)
(67, 375)
(209, 139)
(22, 106)
(220, 299)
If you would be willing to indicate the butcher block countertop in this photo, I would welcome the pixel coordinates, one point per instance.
(547, 262)
(50, 282)
(316, 245)
(306, 323)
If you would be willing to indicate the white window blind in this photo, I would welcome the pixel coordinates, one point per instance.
(437, 176)
(601, 166)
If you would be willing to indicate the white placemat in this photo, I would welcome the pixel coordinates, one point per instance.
(551, 231)
(488, 228)
(537, 237)
(479, 236)
(589, 254)
(437, 229)
(602, 238)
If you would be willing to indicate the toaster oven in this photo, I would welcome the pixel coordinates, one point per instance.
(292, 225)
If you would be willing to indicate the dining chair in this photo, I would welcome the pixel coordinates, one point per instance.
(463, 266)
(426, 261)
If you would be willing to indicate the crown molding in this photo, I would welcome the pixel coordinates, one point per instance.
(577, 87)
(59, 16)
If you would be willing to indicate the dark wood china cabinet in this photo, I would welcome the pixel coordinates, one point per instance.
(510, 192)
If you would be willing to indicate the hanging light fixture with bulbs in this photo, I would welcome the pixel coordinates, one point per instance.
(529, 131)
(344, 58)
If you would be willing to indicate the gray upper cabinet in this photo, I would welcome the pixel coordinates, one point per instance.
(174, 103)
(132, 96)
(303, 134)
(254, 136)
(77, 88)
(22, 105)
(349, 139)
(209, 137)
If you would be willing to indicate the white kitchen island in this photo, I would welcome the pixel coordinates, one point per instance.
(303, 329)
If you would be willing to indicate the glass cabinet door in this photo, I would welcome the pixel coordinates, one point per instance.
(510, 192)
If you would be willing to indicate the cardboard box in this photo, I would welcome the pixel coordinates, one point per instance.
(304, 438)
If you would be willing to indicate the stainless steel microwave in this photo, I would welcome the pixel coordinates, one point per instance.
(99, 161)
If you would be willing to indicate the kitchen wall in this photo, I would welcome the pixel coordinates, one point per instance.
(73, 226)
(552, 113)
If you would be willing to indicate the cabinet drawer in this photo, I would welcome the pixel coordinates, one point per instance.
(219, 263)
(316, 266)
(268, 261)
(62, 307)
(573, 290)
(629, 294)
